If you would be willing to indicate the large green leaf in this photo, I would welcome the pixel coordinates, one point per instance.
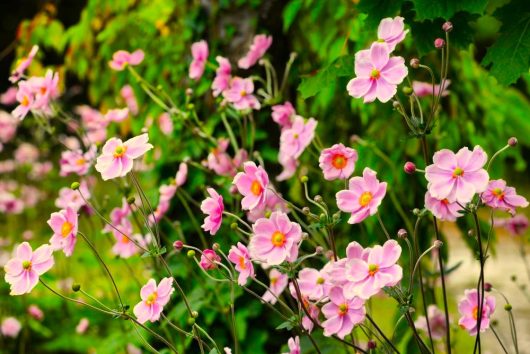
(343, 66)
(378, 9)
(431, 9)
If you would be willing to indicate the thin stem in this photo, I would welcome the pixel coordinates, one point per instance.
(231, 135)
(388, 341)
(383, 226)
(480, 285)
(498, 339)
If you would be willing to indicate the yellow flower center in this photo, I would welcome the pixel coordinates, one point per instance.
(256, 188)
(125, 239)
(295, 135)
(274, 280)
(365, 199)
(242, 264)
(80, 162)
(458, 172)
(278, 239)
(151, 298)
(43, 90)
(25, 101)
(26, 265)
(66, 229)
(372, 269)
(499, 193)
(375, 74)
(445, 201)
(320, 281)
(339, 161)
(343, 309)
(243, 93)
(475, 312)
(120, 151)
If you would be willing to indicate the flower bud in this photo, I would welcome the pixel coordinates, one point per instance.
(233, 226)
(371, 344)
(306, 210)
(189, 91)
(437, 243)
(414, 63)
(76, 287)
(439, 43)
(416, 211)
(190, 106)
(508, 307)
(131, 200)
(75, 186)
(323, 218)
(395, 104)
(402, 233)
(487, 287)
(407, 90)
(191, 321)
(178, 245)
(191, 253)
(409, 167)
(318, 198)
(336, 216)
(215, 246)
(194, 314)
(329, 254)
(305, 235)
(512, 141)
(447, 26)
(319, 250)
(304, 179)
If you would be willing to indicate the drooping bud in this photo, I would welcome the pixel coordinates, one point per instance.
(178, 245)
(447, 26)
(407, 91)
(437, 243)
(76, 287)
(402, 233)
(306, 210)
(75, 186)
(439, 43)
(414, 63)
(409, 167)
(215, 246)
(487, 287)
(371, 344)
(512, 141)
(318, 198)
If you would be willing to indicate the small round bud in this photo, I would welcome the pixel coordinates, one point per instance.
(305, 235)
(508, 307)
(471, 233)
(329, 254)
(416, 211)
(513, 278)
(233, 226)
(268, 214)
(395, 104)
(215, 246)
(76, 287)
(336, 216)
(191, 321)
(439, 43)
(512, 141)
(75, 186)
(487, 287)
(437, 243)
(318, 198)
(402, 233)
(190, 106)
(323, 217)
(131, 200)
(304, 179)
(355, 138)
(494, 322)
(409, 167)
(191, 253)
(414, 63)
(178, 245)
(407, 90)
(189, 92)
(447, 26)
(319, 250)
(194, 314)
(371, 344)
(306, 210)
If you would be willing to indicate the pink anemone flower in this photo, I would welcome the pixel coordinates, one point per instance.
(212, 206)
(252, 184)
(223, 75)
(500, 196)
(240, 256)
(278, 283)
(122, 58)
(337, 161)
(391, 31)
(259, 46)
(154, 298)
(442, 208)
(239, 94)
(199, 52)
(468, 307)
(64, 225)
(342, 314)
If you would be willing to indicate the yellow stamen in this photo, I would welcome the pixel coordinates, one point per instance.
(120, 151)
(458, 172)
(278, 239)
(365, 199)
(151, 298)
(66, 229)
(375, 74)
(256, 188)
(372, 269)
(339, 161)
(343, 309)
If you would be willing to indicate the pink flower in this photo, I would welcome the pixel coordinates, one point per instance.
(337, 161)
(516, 225)
(23, 64)
(500, 196)
(117, 115)
(64, 226)
(377, 270)
(442, 209)
(283, 114)
(125, 245)
(391, 31)
(342, 313)
(313, 283)
(223, 75)
(294, 345)
(363, 196)
(294, 140)
(74, 161)
(71, 198)
(45, 89)
(289, 165)
(212, 206)
(128, 95)
(122, 58)
(252, 184)
(9, 97)
(26, 98)
(240, 94)
(378, 74)
(468, 308)
(209, 259)
(35, 312)
(154, 298)
(457, 177)
(199, 52)
(275, 240)
(26, 153)
(82, 326)
(182, 174)
(221, 163)
(278, 283)
(422, 89)
(8, 127)
(10, 327)
(117, 157)
(436, 322)
(24, 269)
(240, 257)
(259, 46)
(272, 203)
(165, 123)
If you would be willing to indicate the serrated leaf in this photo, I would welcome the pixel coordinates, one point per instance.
(378, 9)
(429, 9)
(342, 66)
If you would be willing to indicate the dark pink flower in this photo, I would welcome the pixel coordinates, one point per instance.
(209, 259)
(212, 206)
(199, 52)
(422, 89)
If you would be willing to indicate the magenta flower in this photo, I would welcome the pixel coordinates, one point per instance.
(252, 184)
(378, 270)
(391, 31)
(122, 58)
(223, 75)
(8, 127)
(294, 345)
(436, 322)
(10, 327)
(283, 114)
(199, 52)
(442, 208)
(240, 94)
(342, 313)
(241, 258)
(363, 196)
(154, 298)
(457, 177)
(116, 159)
(314, 284)
(378, 74)
(45, 89)
(337, 161)
(24, 269)
(500, 196)
(209, 259)
(22, 64)
(259, 46)
(278, 283)
(212, 206)
(272, 203)
(275, 240)
(9, 97)
(35, 312)
(516, 225)
(294, 140)
(64, 226)
(220, 162)
(422, 89)
(468, 307)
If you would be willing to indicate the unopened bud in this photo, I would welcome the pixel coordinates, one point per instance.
(189, 92)
(513, 278)
(437, 243)
(336, 216)
(194, 314)
(487, 287)
(323, 218)
(305, 235)
(447, 26)
(190, 106)
(306, 210)
(402, 233)
(508, 307)
(319, 250)
(304, 179)
(407, 90)
(414, 63)
(215, 246)
(75, 186)
(371, 344)
(439, 43)
(512, 141)
(416, 211)
(409, 167)
(76, 287)
(178, 245)
(191, 253)
(329, 254)
(395, 104)
(233, 226)
(131, 200)
(191, 321)
(318, 198)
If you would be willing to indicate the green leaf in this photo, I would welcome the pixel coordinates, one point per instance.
(432, 9)
(509, 56)
(289, 13)
(343, 66)
(378, 9)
